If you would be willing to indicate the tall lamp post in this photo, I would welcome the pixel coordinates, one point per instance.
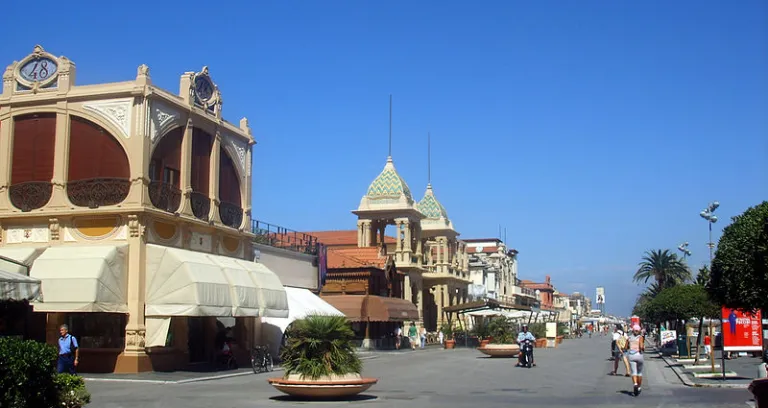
(709, 215)
(683, 248)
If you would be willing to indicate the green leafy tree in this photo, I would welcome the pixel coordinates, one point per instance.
(681, 302)
(740, 268)
(664, 267)
(702, 278)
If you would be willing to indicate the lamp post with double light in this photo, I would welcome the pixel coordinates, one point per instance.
(709, 215)
(683, 248)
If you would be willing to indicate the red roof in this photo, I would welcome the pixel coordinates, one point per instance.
(342, 237)
(355, 258)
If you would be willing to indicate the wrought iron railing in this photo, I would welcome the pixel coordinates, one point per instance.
(285, 238)
(164, 196)
(30, 195)
(231, 214)
(97, 192)
(201, 205)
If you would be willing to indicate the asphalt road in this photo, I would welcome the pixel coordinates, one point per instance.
(573, 375)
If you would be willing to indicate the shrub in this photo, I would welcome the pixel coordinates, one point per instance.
(503, 330)
(539, 330)
(319, 346)
(71, 391)
(27, 373)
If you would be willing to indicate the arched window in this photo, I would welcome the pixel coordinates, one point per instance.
(165, 171)
(34, 139)
(200, 175)
(99, 172)
(230, 208)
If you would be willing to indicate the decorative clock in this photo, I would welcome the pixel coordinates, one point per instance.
(203, 88)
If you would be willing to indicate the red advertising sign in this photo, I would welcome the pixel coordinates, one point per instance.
(635, 320)
(742, 331)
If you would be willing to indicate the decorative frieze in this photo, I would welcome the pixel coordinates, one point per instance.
(135, 339)
(54, 228)
(117, 111)
(160, 119)
(28, 234)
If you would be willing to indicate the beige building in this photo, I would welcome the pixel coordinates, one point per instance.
(132, 205)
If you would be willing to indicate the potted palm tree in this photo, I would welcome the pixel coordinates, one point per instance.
(448, 333)
(504, 335)
(320, 361)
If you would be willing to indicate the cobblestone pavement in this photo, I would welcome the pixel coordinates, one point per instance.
(573, 375)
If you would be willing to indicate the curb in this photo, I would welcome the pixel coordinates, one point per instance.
(192, 380)
(686, 381)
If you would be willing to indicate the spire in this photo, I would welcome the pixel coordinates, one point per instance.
(389, 156)
(429, 160)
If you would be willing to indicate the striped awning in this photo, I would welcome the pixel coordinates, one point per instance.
(15, 286)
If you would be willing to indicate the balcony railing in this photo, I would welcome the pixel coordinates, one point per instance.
(231, 214)
(201, 205)
(97, 192)
(164, 196)
(30, 195)
(279, 237)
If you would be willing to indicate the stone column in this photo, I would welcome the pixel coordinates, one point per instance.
(398, 227)
(440, 300)
(407, 287)
(5, 166)
(134, 358)
(419, 245)
(407, 236)
(368, 233)
(360, 234)
(186, 169)
(213, 179)
(60, 161)
(420, 301)
(248, 187)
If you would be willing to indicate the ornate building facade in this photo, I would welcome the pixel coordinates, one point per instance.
(132, 207)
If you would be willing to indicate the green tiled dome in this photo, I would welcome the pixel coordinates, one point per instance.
(389, 184)
(430, 207)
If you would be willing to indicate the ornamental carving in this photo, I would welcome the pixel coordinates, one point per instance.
(97, 192)
(135, 338)
(30, 195)
(160, 117)
(135, 228)
(116, 111)
(54, 228)
(240, 150)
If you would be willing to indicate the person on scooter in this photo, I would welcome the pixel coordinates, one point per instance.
(521, 337)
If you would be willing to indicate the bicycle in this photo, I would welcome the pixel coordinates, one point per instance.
(261, 359)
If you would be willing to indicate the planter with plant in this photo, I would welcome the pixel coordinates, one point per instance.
(28, 377)
(481, 330)
(448, 332)
(320, 361)
(504, 335)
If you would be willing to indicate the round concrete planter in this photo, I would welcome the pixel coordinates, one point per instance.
(449, 344)
(327, 388)
(500, 350)
(484, 343)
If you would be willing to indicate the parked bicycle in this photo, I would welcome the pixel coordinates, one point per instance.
(261, 359)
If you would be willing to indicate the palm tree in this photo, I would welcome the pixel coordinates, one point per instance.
(664, 267)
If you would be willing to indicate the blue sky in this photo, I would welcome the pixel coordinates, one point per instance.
(592, 131)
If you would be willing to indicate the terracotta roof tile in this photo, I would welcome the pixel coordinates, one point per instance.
(353, 258)
(341, 237)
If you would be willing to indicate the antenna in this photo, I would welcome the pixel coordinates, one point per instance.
(505, 235)
(429, 159)
(390, 125)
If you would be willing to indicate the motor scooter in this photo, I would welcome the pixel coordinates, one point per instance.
(527, 349)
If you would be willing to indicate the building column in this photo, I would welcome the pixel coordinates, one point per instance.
(360, 234)
(134, 358)
(419, 245)
(59, 197)
(407, 287)
(398, 227)
(368, 232)
(420, 301)
(186, 169)
(5, 167)
(407, 236)
(248, 188)
(213, 179)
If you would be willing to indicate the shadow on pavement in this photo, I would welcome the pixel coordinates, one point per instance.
(356, 398)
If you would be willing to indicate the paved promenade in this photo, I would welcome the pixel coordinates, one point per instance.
(573, 375)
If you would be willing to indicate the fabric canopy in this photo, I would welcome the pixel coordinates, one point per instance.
(486, 313)
(302, 303)
(82, 279)
(15, 284)
(373, 308)
(24, 255)
(187, 283)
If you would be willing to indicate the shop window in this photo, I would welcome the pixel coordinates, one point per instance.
(98, 330)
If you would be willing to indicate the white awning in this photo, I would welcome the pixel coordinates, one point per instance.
(302, 303)
(82, 279)
(486, 313)
(15, 263)
(187, 283)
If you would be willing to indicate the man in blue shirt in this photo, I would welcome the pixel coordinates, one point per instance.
(69, 351)
(522, 336)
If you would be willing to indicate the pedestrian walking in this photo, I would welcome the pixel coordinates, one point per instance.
(440, 336)
(413, 335)
(635, 350)
(707, 345)
(69, 351)
(423, 336)
(398, 336)
(620, 345)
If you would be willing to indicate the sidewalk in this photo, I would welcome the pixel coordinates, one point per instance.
(739, 371)
(185, 376)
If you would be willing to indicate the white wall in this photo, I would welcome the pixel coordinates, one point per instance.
(293, 268)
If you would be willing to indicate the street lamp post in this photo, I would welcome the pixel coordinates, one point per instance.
(709, 215)
(683, 248)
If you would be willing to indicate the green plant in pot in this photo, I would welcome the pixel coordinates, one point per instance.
(320, 347)
(503, 331)
(448, 333)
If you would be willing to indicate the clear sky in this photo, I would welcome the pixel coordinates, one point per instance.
(591, 130)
